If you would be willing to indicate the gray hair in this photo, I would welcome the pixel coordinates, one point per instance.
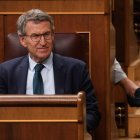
(34, 15)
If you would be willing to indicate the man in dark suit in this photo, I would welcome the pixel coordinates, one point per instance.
(56, 74)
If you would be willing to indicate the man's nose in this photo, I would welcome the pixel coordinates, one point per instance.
(42, 40)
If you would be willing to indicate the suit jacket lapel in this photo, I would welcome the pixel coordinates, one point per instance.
(59, 74)
(21, 76)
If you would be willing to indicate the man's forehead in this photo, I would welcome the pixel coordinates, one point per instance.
(38, 28)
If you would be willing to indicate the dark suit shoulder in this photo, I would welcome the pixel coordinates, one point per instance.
(68, 60)
(14, 62)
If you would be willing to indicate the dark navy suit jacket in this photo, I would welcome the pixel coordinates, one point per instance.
(70, 76)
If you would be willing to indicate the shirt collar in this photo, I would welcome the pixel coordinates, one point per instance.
(48, 63)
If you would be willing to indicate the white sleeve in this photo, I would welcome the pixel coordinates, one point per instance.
(118, 73)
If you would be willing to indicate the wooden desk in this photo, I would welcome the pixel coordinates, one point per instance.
(43, 117)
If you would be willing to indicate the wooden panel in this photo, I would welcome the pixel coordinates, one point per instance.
(30, 131)
(133, 126)
(133, 70)
(42, 117)
(56, 5)
(32, 113)
(131, 47)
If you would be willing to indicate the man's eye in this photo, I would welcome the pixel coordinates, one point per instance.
(46, 34)
(34, 35)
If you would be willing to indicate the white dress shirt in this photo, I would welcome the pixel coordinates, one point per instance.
(47, 76)
(118, 73)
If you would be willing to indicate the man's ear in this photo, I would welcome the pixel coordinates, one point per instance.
(22, 40)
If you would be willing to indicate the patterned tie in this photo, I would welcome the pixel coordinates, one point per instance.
(37, 80)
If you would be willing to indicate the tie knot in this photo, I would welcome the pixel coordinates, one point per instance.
(39, 67)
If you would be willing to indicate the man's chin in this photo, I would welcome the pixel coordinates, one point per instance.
(42, 58)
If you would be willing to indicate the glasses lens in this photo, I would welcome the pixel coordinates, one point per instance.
(35, 38)
(47, 36)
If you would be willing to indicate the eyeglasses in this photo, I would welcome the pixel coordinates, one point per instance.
(37, 37)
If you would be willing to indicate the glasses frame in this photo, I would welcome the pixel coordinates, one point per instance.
(37, 37)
